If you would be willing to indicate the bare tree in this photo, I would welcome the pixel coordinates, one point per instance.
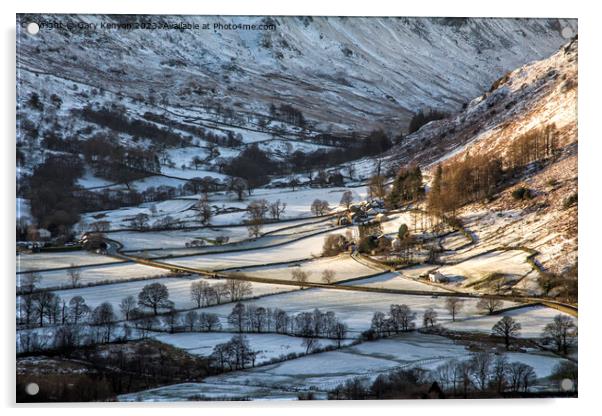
(402, 318)
(238, 317)
(506, 328)
(520, 376)
(347, 199)
(199, 292)
(238, 186)
(454, 306)
(238, 289)
(489, 305)
(104, 317)
(29, 281)
(75, 275)
(429, 318)
(334, 244)
(310, 344)
(480, 365)
(172, 320)
(154, 296)
(300, 276)
(209, 322)
(204, 210)
(340, 332)
(254, 228)
(127, 305)
(328, 276)
(78, 310)
(379, 323)
(277, 209)
(293, 183)
(221, 292)
(26, 309)
(562, 331)
(319, 207)
(190, 319)
(42, 302)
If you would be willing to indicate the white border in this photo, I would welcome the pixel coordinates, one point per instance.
(590, 97)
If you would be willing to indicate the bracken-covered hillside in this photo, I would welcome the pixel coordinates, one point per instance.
(542, 93)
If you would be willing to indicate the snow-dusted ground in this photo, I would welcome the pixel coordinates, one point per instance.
(298, 205)
(297, 250)
(178, 287)
(325, 371)
(453, 241)
(394, 280)
(177, 239)
(269, 346)
(60, 278)
(412, 220)
(88, 180)
(208, 391)
(533, 319)
(508, 262)
(354, 308)
(40, 261)
(414, 272)
(343, 266)
(120, 218)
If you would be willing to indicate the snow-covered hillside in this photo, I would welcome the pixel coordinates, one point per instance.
(343, 73)
(529, 97)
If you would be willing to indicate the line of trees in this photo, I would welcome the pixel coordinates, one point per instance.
(308, 325)
(115, 119)
(483, 373)
(236, 354)
(115, 162)
(460, 182)
(536, 144)
(232, 290)
(399, 318)
(478, 177)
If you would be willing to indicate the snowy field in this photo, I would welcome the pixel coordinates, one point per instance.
(533, 319)
(294, 251)
(269, 346)
(298, 204)
(415, 272)
(60, 278)
(120, 218)
(343, 266)
(453, 241)
(176, 239)
(178, 287)
(410, 219)
(324, 371)
(508, 262)
(42, 261)
(394, 280)
(354, 308)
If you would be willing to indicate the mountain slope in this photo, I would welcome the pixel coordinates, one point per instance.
(527, 98)
(345, 74)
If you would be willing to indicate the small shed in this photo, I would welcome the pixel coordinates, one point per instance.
(437, 277)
